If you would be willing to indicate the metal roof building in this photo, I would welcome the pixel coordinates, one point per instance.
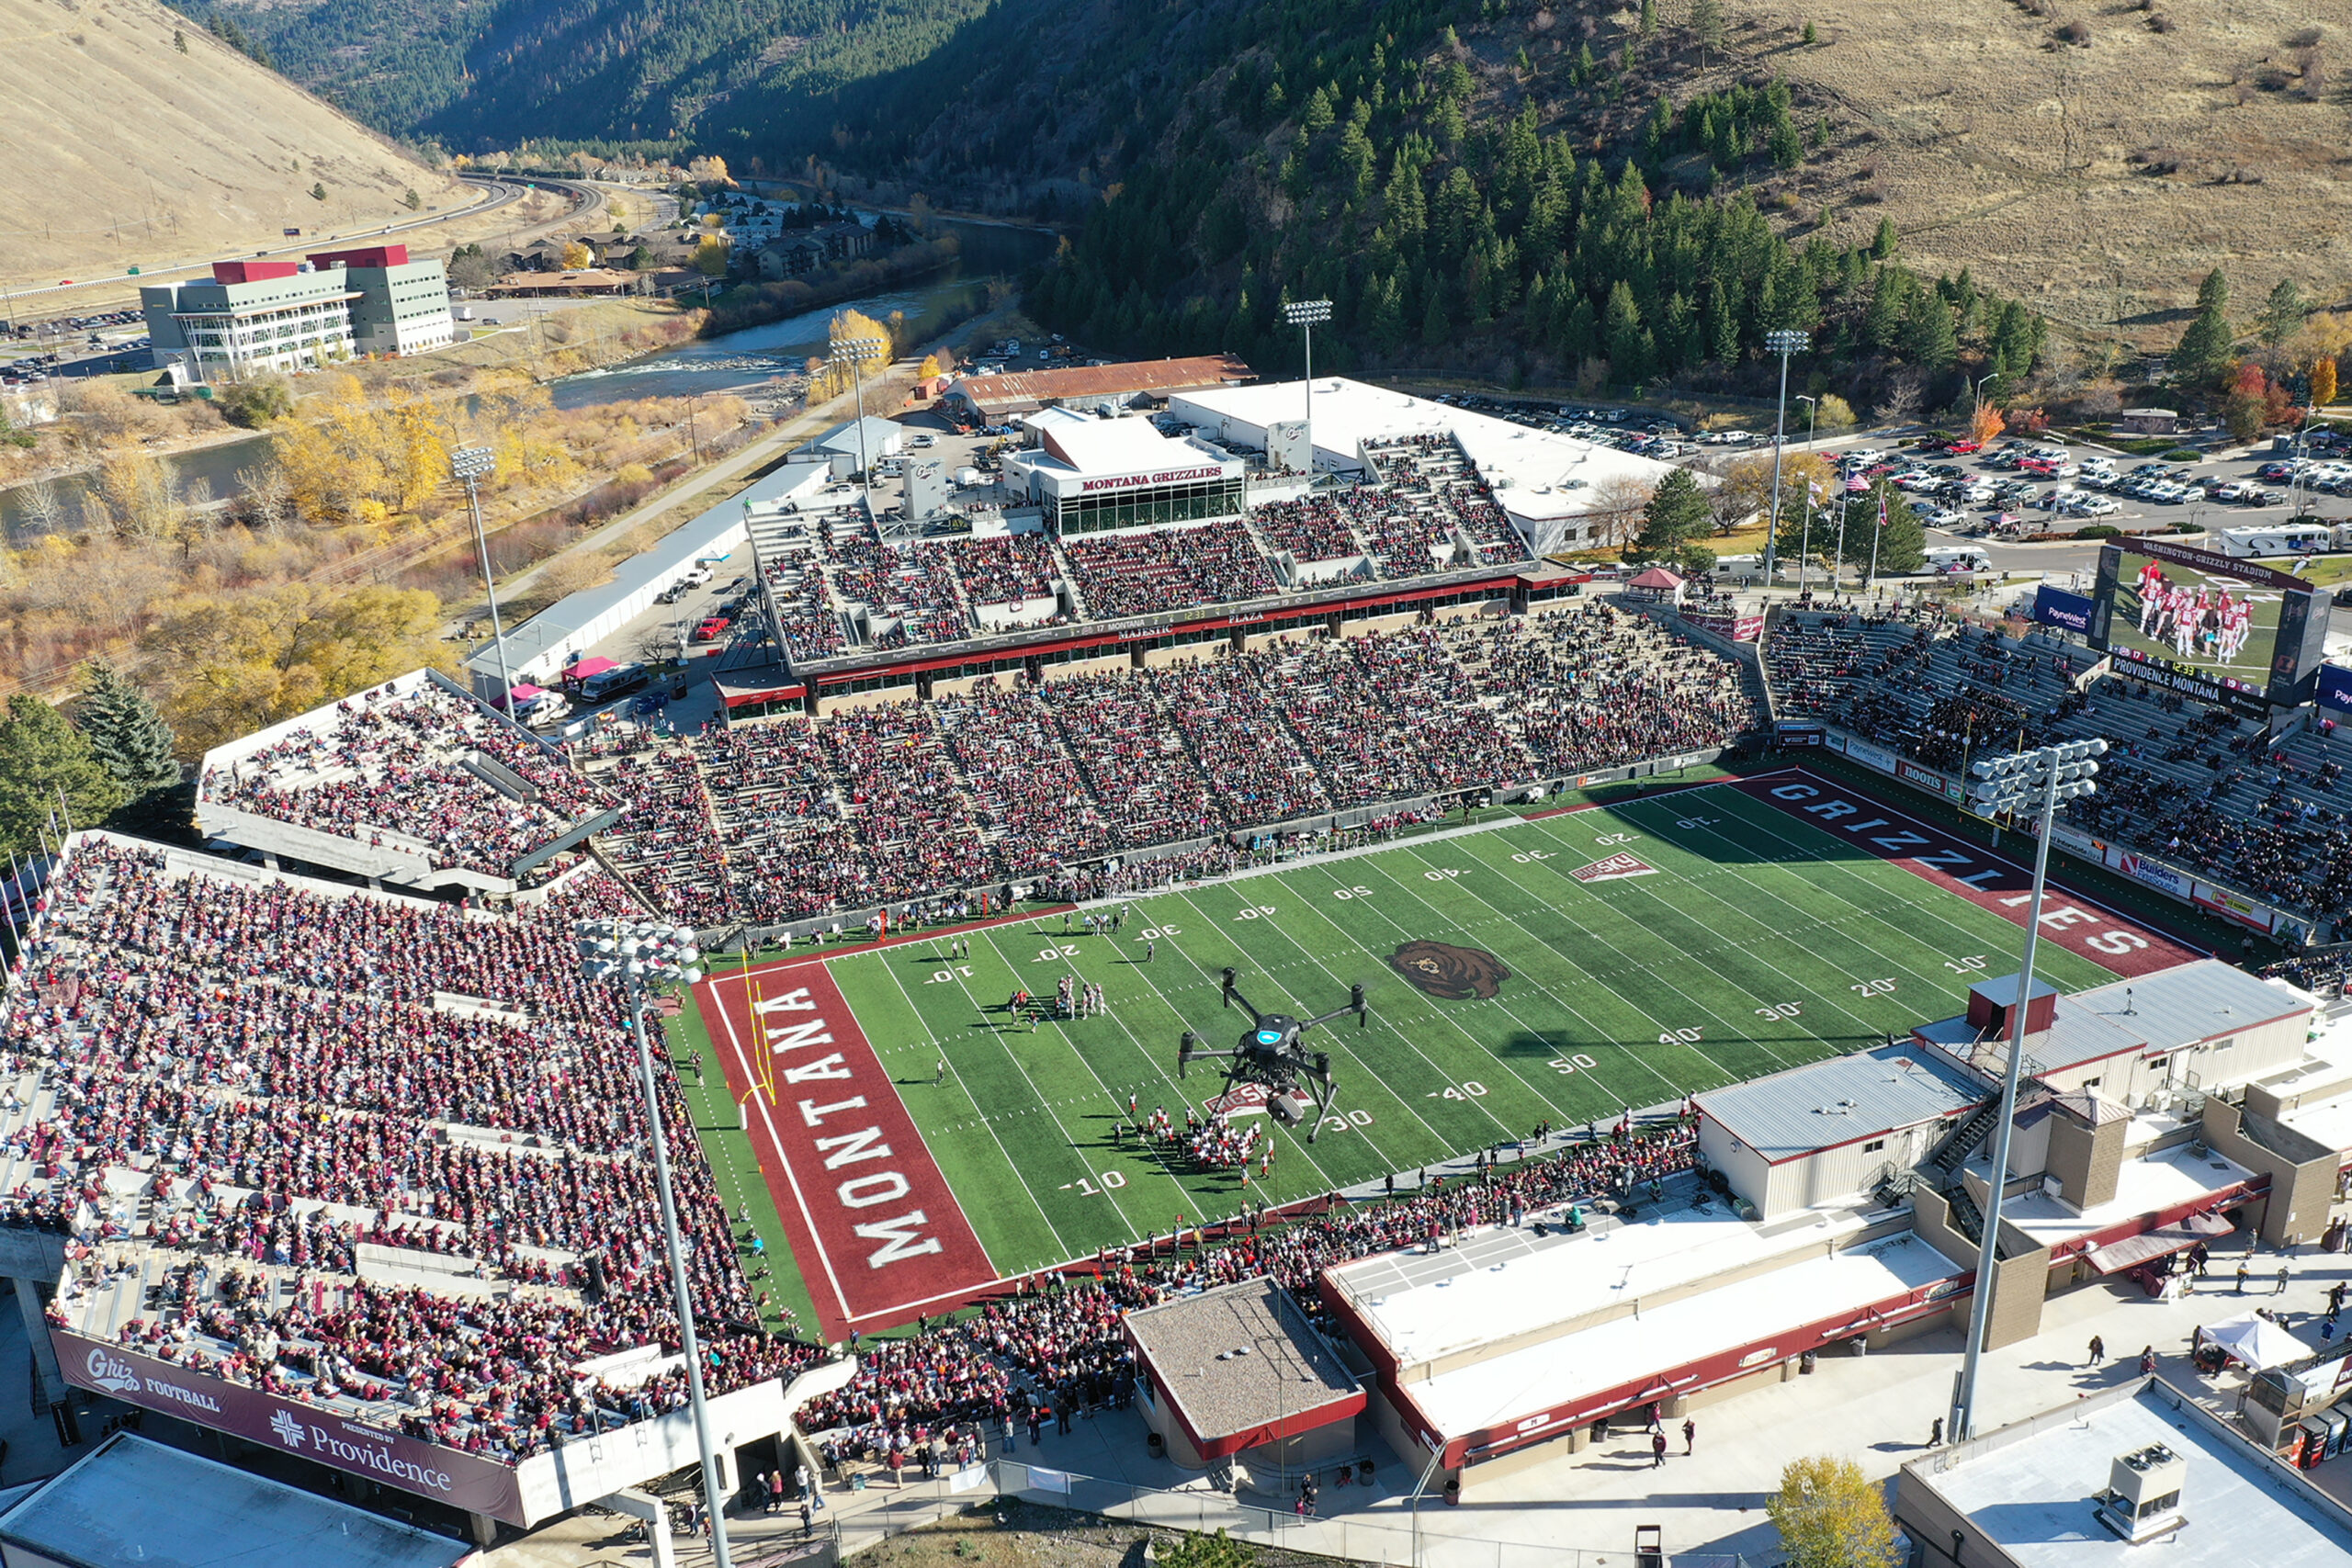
(993, 397)
(1808, 1109)
(137, 1501)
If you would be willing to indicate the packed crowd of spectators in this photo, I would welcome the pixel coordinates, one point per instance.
(911, 586)
(1586, 688)
(1004, 571)
(1022, 783)
(290, 1076)
(2193, 784)
(1168, 568)
(396, 762)
(792, 819)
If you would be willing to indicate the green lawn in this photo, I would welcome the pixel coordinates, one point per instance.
(1740, 956)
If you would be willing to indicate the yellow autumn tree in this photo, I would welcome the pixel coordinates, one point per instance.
(227, 664)
(1829, 1515)
(577, 255)
(1986, 424)
(2322, 381)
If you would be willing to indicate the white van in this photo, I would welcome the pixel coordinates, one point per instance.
(2246, 543)
(1959, 558)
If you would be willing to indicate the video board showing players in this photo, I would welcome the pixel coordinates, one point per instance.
(2232, 625)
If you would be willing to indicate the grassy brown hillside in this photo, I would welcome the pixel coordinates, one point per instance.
(124, 147)
(2095, 180)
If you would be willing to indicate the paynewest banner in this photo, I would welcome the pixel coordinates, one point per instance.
(2056, 607)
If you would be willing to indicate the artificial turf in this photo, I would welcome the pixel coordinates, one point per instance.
(1758, 941)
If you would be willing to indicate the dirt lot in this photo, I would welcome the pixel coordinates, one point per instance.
(1034, 1537)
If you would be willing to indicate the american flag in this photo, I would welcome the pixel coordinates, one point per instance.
(1856, 484)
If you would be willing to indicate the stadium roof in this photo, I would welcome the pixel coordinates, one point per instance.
(1776, 1304)
(2189, 1002)
(1115, 446)
(1534, 473)
(1503, 1285)
(137, 1501)
(1240, 1365)
(1027, 388)
(2028, 1489)
(1833, 1102)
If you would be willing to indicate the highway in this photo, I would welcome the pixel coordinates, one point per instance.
(498, 191)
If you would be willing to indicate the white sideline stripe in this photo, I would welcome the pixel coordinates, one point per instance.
(816, 1238)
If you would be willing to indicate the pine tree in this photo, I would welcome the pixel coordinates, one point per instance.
(1434, 327)
(1928, 340)
(2283, 313)
(1676, 513)
(42, 759)
(2203, 351)
(1622, 336)
(126, 736)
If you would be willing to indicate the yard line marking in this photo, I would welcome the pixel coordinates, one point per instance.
(1648, 1066)
(1143, 970)
(1930, 908)
(1060, 1240)
(1444, 1142)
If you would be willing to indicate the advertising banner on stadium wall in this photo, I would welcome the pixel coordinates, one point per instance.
(1928, 779)
(2056, 607)
(2234, 906)
(1862, 752)
(2334, 688)
(2141, 869)
(1730, 627)
(462, 1480)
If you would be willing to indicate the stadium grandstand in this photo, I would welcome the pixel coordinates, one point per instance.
(2243, 814)
(329, 1145)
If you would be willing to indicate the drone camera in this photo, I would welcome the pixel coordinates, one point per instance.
(1229, 987)
(1323, 1066)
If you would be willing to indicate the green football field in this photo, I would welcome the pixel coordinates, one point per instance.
(1750, 941)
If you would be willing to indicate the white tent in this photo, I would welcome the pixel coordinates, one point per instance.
(2256, 1341)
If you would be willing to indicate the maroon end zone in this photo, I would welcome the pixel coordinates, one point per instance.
(1988, 880)
(876, 1234)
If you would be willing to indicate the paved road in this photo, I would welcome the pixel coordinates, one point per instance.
(498, 192)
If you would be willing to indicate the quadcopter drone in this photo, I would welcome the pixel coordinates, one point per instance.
(1269, 1055)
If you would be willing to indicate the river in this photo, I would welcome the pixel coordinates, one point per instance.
(736, 359)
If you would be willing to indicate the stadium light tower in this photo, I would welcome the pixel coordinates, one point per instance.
(1305, 315)
(855, 352)
(1805, 539)
(468, 463)
(2040, 781)
(635, 955)
(1784, 342)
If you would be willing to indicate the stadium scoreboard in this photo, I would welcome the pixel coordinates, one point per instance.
(2208, 625)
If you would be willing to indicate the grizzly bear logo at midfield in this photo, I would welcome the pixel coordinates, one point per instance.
(1449, 972)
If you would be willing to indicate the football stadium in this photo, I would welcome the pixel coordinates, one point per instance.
(1059, 953)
